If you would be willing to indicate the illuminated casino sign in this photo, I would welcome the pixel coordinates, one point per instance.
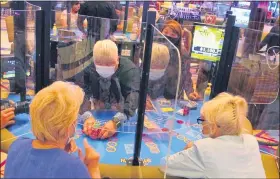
(184, 13)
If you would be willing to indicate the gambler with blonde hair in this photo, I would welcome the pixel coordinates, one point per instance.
(226, 112)
(225, 151)
(54, 114)
(54, 110)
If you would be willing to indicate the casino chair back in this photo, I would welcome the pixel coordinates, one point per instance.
(247, 127)
(270, 164)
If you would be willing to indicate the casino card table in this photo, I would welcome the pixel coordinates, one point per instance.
(116, 151)
(119, 149)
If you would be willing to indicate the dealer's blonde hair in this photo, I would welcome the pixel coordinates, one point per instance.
(54, 109)
(105, 52)
(160, 56)
(227, 112)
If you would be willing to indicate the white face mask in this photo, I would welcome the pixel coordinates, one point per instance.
(156, 74)
(73, 136)
(105, 71)
(205, 135)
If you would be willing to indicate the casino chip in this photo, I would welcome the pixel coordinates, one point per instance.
(180, 121)
(95, 130)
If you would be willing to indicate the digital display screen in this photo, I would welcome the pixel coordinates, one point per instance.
(242, 16)
(207, 42)
(9, 71)
(244, 4)
(12, 74)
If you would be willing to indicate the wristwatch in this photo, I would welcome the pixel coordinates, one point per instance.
(117, 122)
(119, 118)
(82, 118)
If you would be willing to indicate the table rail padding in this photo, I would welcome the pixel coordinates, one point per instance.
(7, 138)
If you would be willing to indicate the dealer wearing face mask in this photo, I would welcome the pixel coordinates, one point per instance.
(113, 83)
(226, 151)
(159, 62)
(173, 31)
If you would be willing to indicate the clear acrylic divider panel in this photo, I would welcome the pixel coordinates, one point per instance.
(202, 69)
(18, 59)
(195, 75)
(255, 76)
(74, 61)
(160, 123)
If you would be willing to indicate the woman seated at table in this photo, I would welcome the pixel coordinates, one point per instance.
(54, 113)
(226, 152)
(173, 31)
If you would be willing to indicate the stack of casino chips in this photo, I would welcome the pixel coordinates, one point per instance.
(95, 129)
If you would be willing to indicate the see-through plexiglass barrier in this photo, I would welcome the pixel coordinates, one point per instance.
(257, 61)
(111, 95)
(196, 74)
(66, 41)
(161, 104)
(255, 76)
(18, 62)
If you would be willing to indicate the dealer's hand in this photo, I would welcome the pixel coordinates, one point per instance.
(189, 145)
(87, 129)
(7, 116)
(194, 96)
(108, 130)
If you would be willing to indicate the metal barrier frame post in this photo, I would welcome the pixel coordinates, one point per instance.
(143, 87)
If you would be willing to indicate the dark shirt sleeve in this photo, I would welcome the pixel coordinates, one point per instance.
(113, 16)
(83, 12)
(87, 81)
(117, 5)
(113, 12)
(130, 91)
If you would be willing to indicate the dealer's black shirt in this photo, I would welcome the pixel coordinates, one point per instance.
(101, 9)
(122, 87)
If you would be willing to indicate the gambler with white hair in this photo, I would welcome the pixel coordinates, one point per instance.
(112, 83)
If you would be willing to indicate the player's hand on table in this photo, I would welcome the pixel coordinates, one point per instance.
(108, 130)
(189, 145)
(87, 129)
(194, 96)
(7, 116)
(91, 157)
